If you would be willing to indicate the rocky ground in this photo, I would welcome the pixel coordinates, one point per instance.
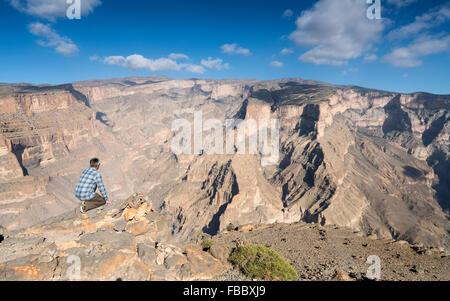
(335, 253)
(124, 241)
(130, 241)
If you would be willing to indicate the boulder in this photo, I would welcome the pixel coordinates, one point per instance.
(147, 254)
(120, 225)
(248, 227)
(174, 261)
(220, 251)
(203, 265)
(340, 275)
(137, 227)
(129, 213)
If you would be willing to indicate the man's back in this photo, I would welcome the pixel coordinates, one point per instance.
(89, 180)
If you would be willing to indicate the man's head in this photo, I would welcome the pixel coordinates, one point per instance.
(95, 163)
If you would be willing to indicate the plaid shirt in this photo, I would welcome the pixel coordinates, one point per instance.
(90, 179)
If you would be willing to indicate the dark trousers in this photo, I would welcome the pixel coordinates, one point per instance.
(95, 202)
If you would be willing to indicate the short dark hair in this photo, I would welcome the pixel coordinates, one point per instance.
(94, 162)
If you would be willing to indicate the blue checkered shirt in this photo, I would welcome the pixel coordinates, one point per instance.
(90, 179)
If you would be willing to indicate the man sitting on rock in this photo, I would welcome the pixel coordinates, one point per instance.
(90, 180)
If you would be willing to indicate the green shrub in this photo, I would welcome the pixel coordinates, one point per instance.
(261, 262)
(206, 243)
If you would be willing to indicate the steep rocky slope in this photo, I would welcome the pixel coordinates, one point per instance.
(371, 160)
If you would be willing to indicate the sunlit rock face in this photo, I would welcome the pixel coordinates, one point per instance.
(372, 160)
(127, 240)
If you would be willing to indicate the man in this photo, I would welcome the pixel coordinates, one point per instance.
(90, 180)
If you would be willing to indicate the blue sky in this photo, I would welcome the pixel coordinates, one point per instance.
(407, 50)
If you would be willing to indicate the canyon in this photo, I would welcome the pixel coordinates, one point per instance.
(373, 161)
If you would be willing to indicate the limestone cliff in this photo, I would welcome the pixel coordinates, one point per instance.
(372, 160)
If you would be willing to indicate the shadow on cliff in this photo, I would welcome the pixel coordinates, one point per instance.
(100, 116)
(78, 95)
(397, 120)
(213, 226)
(441, 165)
(17, 150)
(435, 129)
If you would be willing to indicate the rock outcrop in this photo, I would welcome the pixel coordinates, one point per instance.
(124, 241)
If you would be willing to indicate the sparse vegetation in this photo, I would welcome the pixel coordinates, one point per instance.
(206, 244)
(261, 262)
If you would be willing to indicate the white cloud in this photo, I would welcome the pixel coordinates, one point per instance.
(51, 9)
(402, 57)
(94, 58)
(286, 51)
(401, 3)
(193, 68)
(215, 63)
(234, 49)
(410, 55)
(114, 60)
(370, 57)
(178, 56)
(277, 64)
(50, 38)
(336, 31)
(426, 21)
(288, 13)
(137, 61)
(422, 41)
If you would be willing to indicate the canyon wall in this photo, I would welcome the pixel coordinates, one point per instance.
(372, 160)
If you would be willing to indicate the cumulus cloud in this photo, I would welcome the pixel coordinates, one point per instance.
(137, 61)
(51, 9)
(276, 64)
(335, 32)
(234, 49)
(50, 38)
(410, 55)
(114, 60)
(215, 63)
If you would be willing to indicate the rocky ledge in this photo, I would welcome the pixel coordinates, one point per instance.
(128, 240)
(124, 241)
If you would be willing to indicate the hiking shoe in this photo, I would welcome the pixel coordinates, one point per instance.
(82, 207)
